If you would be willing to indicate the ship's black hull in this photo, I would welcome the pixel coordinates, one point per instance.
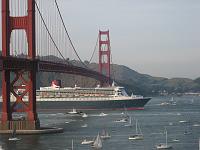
(93, 105)
(135, 104)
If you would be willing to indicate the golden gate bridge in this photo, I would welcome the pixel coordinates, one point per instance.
(35, 39)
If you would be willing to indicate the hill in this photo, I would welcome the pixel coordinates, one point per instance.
(133, 81)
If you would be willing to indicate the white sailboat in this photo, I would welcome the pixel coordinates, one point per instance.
(13, 137)
(105, 135)
(125, 113)
(97, 142)
(172, 102)
(164, 145)
(138, 135)
(73, 111)
(130, 123)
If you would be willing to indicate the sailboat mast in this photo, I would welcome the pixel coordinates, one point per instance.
(199, 143)
(72, 144)
(136, 127)
(166, 137)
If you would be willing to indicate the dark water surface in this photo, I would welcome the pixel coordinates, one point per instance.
(153, 120)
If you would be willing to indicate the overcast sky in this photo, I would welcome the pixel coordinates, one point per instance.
(156, 37)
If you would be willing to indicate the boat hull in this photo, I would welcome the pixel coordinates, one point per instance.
(136, 104)
(56, 104)
(136, 137)
(163, 147)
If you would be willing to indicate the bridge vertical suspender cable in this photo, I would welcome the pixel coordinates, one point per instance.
(95, 47)
(73, 47)
(49, 31)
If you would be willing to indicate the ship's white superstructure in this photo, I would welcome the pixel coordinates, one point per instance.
(56, 93)
(57, 97)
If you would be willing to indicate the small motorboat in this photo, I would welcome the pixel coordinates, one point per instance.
(164, 104)
(121, 120)
(196, 125)
(84, 115)
(176, 140)
(84, 126)
(85, 142)
(102, 114)
(183, 121)
(73, 111)
(13, 137)
(187, 133)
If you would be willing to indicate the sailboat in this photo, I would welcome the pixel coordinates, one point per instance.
(105, 135)
(172, 102)
(72, 144)
(97, 142)
(138, 135)
(13, 137)
(130, 123)
(72, 148)
(73, 111)
(164, 145)
(188, 131)
(125, 113)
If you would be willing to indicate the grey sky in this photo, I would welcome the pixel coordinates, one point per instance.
(157, 37)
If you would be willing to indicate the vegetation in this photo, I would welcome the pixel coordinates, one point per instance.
(133, 81)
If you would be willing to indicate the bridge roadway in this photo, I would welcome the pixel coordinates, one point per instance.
(15, 63)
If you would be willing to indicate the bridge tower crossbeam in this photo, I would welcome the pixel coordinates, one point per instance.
(104, 54)
(25, 79)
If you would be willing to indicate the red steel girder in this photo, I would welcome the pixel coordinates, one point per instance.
(18, 65)
(14, 63)
(104, 52)
(46, 66)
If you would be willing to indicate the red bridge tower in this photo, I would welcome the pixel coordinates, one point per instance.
(104, 54)
(24, 82)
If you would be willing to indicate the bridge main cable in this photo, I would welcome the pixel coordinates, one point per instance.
(49, 32)
(73, 47)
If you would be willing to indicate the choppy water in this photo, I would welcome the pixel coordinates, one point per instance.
(152, 120)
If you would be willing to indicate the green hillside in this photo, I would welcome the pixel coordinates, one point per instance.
(133, 81)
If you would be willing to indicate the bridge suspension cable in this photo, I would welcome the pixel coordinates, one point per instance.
(95, 47)
(73, 47)
(49, 32)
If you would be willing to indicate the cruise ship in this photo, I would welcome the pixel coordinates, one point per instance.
(107, 98)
